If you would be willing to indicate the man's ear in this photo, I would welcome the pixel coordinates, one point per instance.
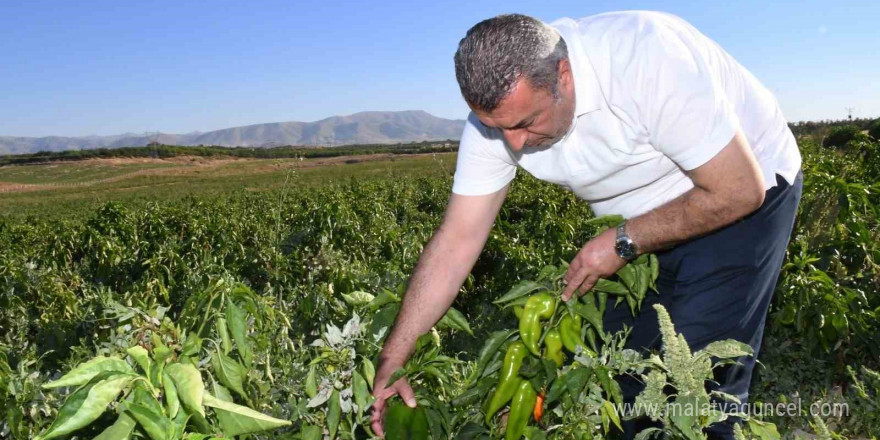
(565, 77)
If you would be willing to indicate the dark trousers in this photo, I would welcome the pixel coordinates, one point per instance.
(717, 287)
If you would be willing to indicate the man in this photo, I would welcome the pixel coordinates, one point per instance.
(640, 115)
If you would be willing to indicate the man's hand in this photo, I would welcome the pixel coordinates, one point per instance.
(441, 270)
(597, 259)
(401, 387)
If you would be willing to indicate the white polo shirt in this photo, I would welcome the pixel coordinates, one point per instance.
(654, 97)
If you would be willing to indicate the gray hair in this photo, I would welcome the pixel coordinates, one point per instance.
(499, 51)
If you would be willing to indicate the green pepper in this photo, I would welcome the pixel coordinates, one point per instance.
(538, 307)
(405, 423)
(570, 330)
(509, 380)
(553, 347)
(521, 409)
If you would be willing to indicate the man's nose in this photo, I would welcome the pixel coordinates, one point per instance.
(516, 138)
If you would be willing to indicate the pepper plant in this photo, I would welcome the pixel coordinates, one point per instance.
(165, 397)
(528, 367)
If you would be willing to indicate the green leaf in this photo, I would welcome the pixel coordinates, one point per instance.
(482, 388)
(360, 390)
(455, 320)
(119, 430)
(610, 287)
(573, 382)
(725, 396)
(432, 417)
(591, 314)
(647, 433)
(686, 416)
(384, 318)
(385, 296)
(519, 290)
(161, 352)
(763, 430)
(230, 372)
(238, 327)
(172, 401)
(87, 403)
(334, 412)
(471, 431)
(430, 370)
(369, 372)
(612, 414)
(84, 372)
(227, 424)
(726, 349)
(310, 432)
(141, 357)
(192, 345)
(398, 373)
(178, 424)
(577, 380)
(643, 273)
(608, 384)
(530, 367)
(223, 331)
(311, 383)
(244, 419)
(629, 278)
(654, 266)
(358, 298)
(606, 221)
(495, 341)
(190, 387)
(144, 397)
(155, 425)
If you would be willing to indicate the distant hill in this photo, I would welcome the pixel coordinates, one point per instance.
(359, 128)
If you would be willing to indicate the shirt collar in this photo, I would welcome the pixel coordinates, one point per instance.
(588, 95)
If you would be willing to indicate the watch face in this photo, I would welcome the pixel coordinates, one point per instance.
(625, 249)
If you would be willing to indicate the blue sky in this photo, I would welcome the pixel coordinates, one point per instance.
(95, 67)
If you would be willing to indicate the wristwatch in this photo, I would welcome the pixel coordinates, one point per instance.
(623, 245)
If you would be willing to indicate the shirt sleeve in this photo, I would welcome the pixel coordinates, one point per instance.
(483, 165)
(679, 91)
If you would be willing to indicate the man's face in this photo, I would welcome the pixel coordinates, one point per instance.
(529, 117)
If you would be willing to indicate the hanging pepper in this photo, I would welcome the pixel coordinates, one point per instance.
(538, 307)
(521, 409)
(405, 423)
(539, 407)
(570, 330)
(553, 347)
(509, 380)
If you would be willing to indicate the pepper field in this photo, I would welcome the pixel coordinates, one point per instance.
(261, 313)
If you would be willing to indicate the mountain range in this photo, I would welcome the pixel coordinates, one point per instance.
(373, 127)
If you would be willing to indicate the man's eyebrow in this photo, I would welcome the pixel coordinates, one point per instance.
(526, 121)
(523, 123)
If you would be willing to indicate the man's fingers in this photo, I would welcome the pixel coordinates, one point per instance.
(588, 284)
(573, 268)
(376, 416)
(377, 428)
(378, 409)
(576, 280)
(401, 388)
(406, 393)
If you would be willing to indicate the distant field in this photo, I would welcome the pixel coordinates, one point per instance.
(66, 189)
(64, 173)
